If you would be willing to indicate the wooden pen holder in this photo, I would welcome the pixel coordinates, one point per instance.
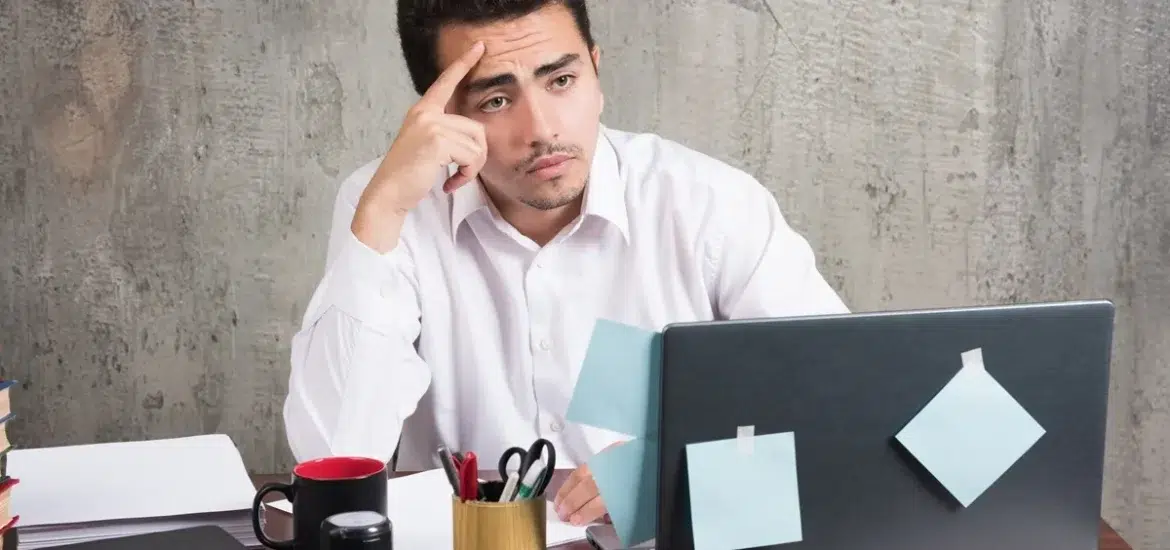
(489, 525)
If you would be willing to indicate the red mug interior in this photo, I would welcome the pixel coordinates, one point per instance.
(336, 468)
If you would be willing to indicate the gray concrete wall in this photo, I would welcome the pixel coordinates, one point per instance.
(167, 169)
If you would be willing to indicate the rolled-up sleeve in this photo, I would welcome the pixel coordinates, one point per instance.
(355, 374)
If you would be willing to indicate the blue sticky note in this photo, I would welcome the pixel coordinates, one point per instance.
(971, 432)
(617, 388)
(627, 480)
(744, 492)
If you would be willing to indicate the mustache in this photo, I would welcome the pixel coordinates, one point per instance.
(544, 149)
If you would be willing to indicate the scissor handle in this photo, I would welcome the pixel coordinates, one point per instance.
(507, 457)
(543, 448)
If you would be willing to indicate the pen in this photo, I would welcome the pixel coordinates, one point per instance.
(469, 478)
(449, 468)
(510, 487)
(531, 478)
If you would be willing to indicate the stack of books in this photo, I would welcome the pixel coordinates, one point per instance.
(8, 519)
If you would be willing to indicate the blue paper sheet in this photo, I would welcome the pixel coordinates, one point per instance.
(744, 492)
(627, 479)
(617, 388)
(971, 432)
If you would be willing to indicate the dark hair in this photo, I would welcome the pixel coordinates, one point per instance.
(419, 22)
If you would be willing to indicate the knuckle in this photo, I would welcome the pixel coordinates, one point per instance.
(579, 501)
(433, 131)
(416, 112)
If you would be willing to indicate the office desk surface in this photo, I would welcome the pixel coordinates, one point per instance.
(279, 524)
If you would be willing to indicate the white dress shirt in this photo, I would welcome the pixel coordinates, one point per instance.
(471, 335)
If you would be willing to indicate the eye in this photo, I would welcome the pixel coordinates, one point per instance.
(494, 104)
(563, 80)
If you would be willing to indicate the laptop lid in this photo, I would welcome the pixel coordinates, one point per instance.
(845, 385)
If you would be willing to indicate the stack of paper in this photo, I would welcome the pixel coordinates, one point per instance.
(419, 508)
(98, 491)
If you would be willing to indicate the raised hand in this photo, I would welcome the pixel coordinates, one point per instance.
(430, 139)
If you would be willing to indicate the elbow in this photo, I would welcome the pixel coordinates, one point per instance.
(310, 403)
(322, 421)
(304, 436)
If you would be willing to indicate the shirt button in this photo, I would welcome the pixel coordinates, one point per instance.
(544, 344)
(556, 426)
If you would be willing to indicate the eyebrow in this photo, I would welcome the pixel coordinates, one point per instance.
(488, 82)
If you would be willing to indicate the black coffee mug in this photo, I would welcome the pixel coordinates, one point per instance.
(321, 488)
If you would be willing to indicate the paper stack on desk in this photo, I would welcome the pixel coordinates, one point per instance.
(90, 492)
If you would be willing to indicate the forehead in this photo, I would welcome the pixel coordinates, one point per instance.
(527, 41)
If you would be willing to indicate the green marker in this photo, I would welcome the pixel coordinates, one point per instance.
(531, 477)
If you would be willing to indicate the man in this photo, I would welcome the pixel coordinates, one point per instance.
(467, 267)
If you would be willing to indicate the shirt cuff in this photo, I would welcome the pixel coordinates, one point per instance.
(366, 284)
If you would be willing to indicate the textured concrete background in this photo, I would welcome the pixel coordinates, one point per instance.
(167, 169)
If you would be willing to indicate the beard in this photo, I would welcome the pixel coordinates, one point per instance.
(558, 197)
(555, 193)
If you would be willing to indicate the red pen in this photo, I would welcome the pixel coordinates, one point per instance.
(468, 477)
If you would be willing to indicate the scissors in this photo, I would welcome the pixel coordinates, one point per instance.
(527, 458)
(468, 470)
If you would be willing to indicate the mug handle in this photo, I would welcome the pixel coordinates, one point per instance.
(257, 503)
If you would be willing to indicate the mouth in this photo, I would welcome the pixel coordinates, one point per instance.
(550, 166)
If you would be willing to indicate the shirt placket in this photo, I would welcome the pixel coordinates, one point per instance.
(541, 308)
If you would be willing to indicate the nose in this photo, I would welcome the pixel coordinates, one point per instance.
(539, 118)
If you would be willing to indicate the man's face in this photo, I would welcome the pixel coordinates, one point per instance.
(537, 93)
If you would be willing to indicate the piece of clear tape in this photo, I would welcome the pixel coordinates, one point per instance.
(745, 439)
(973, 359)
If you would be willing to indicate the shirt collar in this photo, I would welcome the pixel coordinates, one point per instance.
(604, 194)
(467, 200)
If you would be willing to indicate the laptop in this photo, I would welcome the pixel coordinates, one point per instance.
(845, 385)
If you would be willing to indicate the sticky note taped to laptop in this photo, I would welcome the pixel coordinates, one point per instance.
(744, 492)
(971, 432)
(617, 388)
(627, 480)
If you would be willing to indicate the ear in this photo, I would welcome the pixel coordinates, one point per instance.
(595, 55)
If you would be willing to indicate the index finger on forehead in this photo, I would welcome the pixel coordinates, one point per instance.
(444, 87)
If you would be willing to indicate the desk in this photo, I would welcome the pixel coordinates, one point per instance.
(279, 524)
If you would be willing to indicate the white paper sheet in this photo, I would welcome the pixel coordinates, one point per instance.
(129, 480)
(419, 507)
